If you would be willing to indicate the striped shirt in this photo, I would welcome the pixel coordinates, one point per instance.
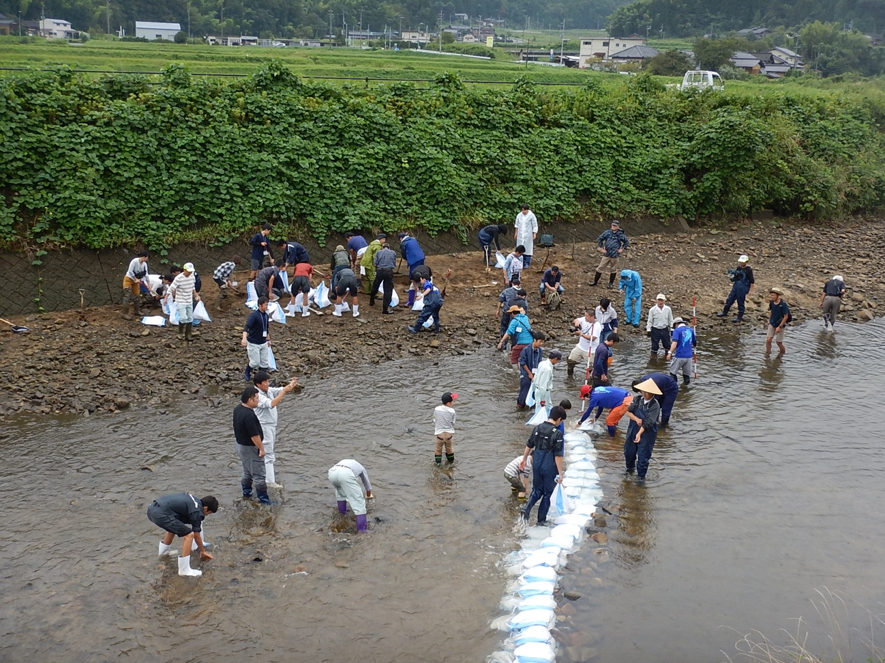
(183, 288)
(513, 470)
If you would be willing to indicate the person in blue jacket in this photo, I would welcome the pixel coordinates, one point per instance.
(669, 391)
(681, 350)
(615, 399)
(631, 284)
(742, 285)
(414, 256)
(643, 429)
(433, 302)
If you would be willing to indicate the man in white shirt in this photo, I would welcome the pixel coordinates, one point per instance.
(526, 230)
(135, 276)
(444, 428)
(660, 323)
(184, 296)
(589, 332)
(266, 410)
(543, 380)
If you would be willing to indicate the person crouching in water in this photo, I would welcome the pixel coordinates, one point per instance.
(643, 429)
(546, 444)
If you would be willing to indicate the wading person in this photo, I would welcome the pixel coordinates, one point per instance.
(256, 340)
(182, 514)
(349, 478)
(607, 316)
(611, 244)
(505, 301)
(444, 428)
(546, 445)
(529, 360)
(414, 257)
(260, 249)
(525, 231)
(742, 285)
(681, 350)
(777, 320)
(517, 476)
(588, 331)
(489, 235)
(543, 379)
(367, 262)
(660, 322)
(518, 332)
(642, 432)
(250, 446)
(669, 391)
(433, 302)
(631, 283)
(385, 263)
(136, 275)
(601, 360)
(184, 296)
(266, 411)
(606, 397)
(221, 276)
(831, 300)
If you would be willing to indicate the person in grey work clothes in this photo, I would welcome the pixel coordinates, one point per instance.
(385, 263)
(266, 410)
(349, 479)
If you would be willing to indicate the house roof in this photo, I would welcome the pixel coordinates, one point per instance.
(785, 51)
(745, 63)
(743, 55)
(777, 68)
(635, 53)
(150, 25)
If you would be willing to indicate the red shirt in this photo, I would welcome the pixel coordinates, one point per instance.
(303, 269)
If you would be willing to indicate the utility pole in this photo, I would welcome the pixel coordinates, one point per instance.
(361, 27)
(440, 30)
(189, 21)
(330, 28)
(108, 13)
(562, 42)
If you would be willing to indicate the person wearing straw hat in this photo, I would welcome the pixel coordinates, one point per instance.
(681, 350)
(780, 316)
(643, 429)
(660, 322)
(742, 285)
(518, 332)
(831, 300)
(669, 391)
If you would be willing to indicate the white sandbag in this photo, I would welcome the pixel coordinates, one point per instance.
(499, 260)
(271, 361)
(582, 465)
(542, 557)
(345, 307)
(572, 519)
(535, 588)
(559, 502)
(538, 417)
(529, 545)
(530, 397)
(575, 436)
(275, 312)
(154, 320)
(321, 295)
(251, 296)
(539, 574)
(173, 314)
(564, 542)
(574, 531)
(532, 634)
(284, 279)
(515, 557)
(579, 482)
(537, 602)
(419, 304)
(394, 298)
(200, 312)
(428, 323)
(527, 618)
(535, 652)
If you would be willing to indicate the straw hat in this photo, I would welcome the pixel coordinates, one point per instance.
(661, 296)
(777, 291)
(649, 387)
(514, 309)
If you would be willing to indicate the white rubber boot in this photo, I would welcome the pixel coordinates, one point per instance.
(337, 311)
(356, 311)
(184, 567)
(167, 550)
(270, 476)
(305, 312)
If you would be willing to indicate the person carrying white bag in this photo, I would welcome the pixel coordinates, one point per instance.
(546, 445)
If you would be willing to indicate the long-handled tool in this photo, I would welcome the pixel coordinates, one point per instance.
(445, 283)
(694, 327)
(17, 329)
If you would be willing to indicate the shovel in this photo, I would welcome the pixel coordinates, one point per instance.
(17, 329)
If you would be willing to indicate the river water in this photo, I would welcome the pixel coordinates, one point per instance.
(765, 487)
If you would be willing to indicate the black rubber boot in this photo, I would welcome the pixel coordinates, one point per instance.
(596, 278)
(611, 280)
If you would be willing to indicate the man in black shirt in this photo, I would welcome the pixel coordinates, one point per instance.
(182, 515)
(547, 443)
(250, 445)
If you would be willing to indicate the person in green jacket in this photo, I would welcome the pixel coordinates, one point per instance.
(367, 262)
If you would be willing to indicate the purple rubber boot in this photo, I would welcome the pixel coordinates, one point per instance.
(342, 506)
(411, 299)
(361, 525)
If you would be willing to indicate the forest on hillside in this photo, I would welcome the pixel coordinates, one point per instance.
(310, 18)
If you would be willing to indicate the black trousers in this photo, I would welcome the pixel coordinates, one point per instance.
(660, 336)
(385, 277)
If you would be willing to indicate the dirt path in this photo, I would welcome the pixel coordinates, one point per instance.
(95, 362)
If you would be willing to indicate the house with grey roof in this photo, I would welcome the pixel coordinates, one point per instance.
(637, 53)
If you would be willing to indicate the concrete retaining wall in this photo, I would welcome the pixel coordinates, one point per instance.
(54, 285)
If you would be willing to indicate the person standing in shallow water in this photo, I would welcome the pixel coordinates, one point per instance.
(546, 445)
(444, 428)
(250, 446)
(642, 431)
(831, 300)
(780, 316)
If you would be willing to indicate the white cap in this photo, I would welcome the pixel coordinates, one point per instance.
(189, 267)
(838, 278)
(661, 296)
(678, 321)
(744, 258)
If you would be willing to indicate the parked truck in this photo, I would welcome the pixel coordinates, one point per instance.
(701, 79)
